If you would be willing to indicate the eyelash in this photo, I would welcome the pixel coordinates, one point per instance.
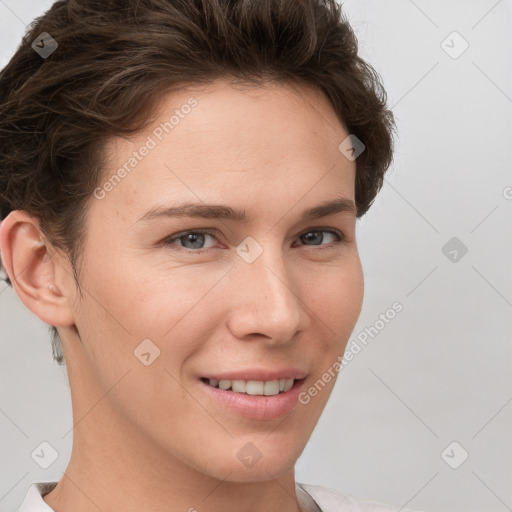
(168, 241)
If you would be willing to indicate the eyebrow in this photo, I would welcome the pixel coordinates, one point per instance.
(215, 211)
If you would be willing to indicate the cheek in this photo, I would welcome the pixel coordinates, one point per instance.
(130, 302)
(334, 306)
(173, 307)
(338, 296)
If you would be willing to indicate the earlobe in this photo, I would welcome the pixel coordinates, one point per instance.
(32, 270)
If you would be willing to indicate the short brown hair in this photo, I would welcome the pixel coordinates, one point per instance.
(116, 58)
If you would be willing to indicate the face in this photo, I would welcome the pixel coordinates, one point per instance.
(171, 301)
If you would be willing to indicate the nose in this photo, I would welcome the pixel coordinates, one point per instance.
(266, 303)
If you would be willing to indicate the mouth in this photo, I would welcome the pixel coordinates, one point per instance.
(252, 387)
(255, 399)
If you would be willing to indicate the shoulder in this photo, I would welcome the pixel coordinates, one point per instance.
(332, 500)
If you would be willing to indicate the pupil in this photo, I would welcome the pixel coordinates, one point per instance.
(316, 236)
(192, 237)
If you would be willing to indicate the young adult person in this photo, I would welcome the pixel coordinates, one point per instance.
(180, 183)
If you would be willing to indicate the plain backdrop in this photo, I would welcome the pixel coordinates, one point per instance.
(422, 415)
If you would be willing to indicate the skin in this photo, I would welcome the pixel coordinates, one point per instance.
(149, 437)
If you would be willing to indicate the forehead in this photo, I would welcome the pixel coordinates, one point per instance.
(219, 141)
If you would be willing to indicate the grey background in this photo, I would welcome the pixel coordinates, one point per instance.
(440, 370)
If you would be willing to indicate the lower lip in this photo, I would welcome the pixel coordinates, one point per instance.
(257, 407)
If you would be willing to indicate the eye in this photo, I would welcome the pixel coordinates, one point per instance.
(318, 237)
(191, 240)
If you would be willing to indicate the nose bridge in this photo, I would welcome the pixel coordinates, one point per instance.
(269, 303)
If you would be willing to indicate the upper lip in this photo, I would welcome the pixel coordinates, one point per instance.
(260, 374)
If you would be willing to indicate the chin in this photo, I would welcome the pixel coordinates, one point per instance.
(252, 459)
(262, 458)
(260, 471)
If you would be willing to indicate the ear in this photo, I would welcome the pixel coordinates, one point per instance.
(36, 276)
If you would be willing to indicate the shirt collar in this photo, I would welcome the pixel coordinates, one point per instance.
(33, 501)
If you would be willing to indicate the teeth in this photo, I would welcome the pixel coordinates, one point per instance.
(271, 388)
(224, 384)
(254, 387)
(239, 386)
(288, 383)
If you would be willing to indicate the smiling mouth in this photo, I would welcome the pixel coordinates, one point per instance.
(253, 387)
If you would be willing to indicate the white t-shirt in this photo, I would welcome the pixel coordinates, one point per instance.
(311, 498)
